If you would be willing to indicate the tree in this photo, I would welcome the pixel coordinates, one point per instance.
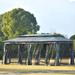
(72, 37)
(18, 22)
(58, 35)
(1, 34)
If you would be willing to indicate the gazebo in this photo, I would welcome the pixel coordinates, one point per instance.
(40, 40)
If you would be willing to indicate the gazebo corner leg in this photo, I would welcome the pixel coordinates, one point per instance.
(72, 58)
(57, 55)
(5, 55)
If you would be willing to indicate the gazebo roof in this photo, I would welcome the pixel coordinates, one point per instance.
(38, 38)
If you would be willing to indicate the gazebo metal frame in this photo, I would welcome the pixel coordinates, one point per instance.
(38, 39)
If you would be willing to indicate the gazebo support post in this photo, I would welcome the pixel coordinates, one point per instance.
(47, 55)
(51, 53)
(9, 56)
(71, 55)
(25, 53)
(57, 45)
(9, 53)
(5, 55)
(72, 58)
(29, 55)
(37, 54)
(19, 55)
(9, 60)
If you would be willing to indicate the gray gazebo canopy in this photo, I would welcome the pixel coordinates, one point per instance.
(37, 38)
(46, 39)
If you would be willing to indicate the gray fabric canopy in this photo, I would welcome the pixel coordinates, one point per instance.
(38, 38)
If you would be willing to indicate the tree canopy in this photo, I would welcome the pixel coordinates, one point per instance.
(58, 35)
(72, 37)
(17, 22)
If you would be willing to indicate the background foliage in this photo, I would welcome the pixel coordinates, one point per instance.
(16, 22)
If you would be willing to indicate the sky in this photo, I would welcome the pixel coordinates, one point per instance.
(52, 15)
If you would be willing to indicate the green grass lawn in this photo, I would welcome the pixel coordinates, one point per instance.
(37, 69)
